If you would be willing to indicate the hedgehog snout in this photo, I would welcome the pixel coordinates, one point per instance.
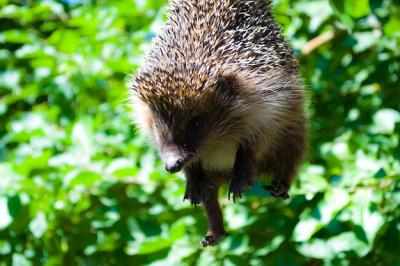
(173, 160)
(174, 165)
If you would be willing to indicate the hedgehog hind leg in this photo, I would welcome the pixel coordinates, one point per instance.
(283, 162)
(282, 169)
(216, 231)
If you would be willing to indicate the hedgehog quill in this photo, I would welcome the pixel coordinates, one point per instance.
(220, 94)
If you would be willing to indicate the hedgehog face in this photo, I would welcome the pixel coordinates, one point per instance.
(179, 140)
(183, 132)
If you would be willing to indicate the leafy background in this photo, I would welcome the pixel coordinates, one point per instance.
(78, 185)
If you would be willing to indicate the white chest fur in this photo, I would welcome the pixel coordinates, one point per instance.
(220, 158)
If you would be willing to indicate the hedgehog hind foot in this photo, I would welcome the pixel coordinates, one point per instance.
(277, 189)
(212, 240)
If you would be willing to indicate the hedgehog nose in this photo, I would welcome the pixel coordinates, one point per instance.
(174, 165)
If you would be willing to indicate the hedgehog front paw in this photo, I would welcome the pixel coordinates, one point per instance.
(277, 189)
(196, 192)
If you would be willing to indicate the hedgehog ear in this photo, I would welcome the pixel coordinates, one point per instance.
(227, 85)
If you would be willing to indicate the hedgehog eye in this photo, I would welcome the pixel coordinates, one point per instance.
(194, 123)
(193, 129)
(194, 133)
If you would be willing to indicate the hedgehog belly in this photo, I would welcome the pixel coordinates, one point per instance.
(220, 158)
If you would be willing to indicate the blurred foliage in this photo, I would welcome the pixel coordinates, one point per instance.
(79, 186)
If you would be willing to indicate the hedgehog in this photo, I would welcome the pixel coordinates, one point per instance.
(220, 95)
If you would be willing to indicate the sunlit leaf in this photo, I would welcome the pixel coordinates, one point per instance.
(238, 216)
(5, 247)
(38, 225)
(316, 248)
(313, 220)
(20, 260)
(385, 120)
(82, 137)
(365, 40)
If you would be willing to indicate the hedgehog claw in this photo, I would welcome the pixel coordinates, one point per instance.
(212, 240)
(209, 241)
(237, 187)
(196, 192)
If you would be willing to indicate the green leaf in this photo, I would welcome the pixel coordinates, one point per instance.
(340, 9)
(85, 178)
(275, 244)
(149, 246)
(380, 174)
(357, 8)
(67, 41)
(17, 36)
(392, 27)
(14, 205)
(236, 245)
(177, 231)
